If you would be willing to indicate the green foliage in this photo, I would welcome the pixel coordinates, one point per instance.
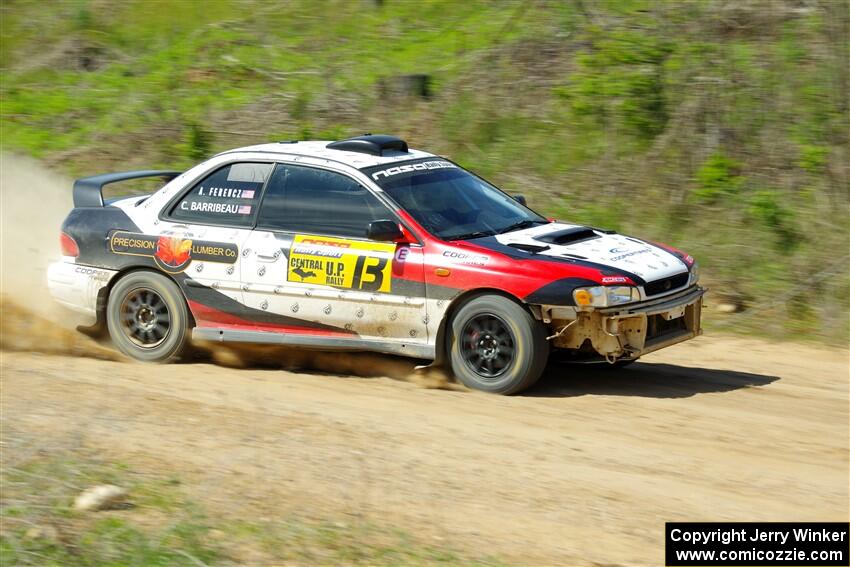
(82, 17)
(718, 177)
(813, 158)
(42, 529)
(619, 78)
(198, 143)
(655, 117)
(45, 489)
(116, 541)
(592, 214)
(766, 207)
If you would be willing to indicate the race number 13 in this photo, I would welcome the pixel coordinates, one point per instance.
(371, 274)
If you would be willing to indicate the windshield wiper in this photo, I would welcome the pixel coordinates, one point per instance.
(468, 235)
(520, 225)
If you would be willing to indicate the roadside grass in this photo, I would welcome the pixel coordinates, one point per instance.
(160, 526)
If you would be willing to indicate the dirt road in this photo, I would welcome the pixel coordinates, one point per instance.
(584, 470)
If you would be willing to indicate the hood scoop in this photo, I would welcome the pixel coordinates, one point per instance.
(568, 236)
(530, 248)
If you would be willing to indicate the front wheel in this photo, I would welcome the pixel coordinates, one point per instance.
(147, 317)
(497, 346)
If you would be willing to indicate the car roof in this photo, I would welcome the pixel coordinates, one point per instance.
(319, 149)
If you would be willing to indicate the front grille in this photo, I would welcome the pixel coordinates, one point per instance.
(665, 285)
(657, 326)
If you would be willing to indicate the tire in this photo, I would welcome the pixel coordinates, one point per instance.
(623, 363)
(147, 317)
(495, 345)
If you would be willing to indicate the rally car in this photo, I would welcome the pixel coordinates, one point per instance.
(365, 244)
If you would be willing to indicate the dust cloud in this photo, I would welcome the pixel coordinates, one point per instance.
(364, 365)
(33, 203)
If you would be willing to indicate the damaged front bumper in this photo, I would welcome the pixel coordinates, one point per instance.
(629, 331)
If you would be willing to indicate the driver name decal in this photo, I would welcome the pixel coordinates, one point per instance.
(220, 208)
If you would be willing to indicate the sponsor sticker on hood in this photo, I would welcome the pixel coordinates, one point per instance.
(620, 252)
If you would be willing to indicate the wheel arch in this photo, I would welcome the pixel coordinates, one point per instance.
(458, 302)
(99, 328)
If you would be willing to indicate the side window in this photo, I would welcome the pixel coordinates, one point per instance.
(305, 199)
(230, 195)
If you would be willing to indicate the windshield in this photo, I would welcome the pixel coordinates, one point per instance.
(450, 202)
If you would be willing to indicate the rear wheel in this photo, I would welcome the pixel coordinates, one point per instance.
(497, 346)
(147, 317)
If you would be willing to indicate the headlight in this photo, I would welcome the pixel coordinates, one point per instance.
(694, 273)
(605, 296)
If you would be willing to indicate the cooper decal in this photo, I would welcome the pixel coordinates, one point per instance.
(626, 254)
(172, 254)
(463, 258)
(337, 262)
(94, 274)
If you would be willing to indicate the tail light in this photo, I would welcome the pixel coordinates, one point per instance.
(69, 246)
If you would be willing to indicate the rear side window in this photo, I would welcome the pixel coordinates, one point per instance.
(305, 199)
(230, 195)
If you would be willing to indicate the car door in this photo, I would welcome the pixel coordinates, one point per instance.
(208, 225)
(309, 259)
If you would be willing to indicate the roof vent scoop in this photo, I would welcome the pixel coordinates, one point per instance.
(372, 144)
(568, 235)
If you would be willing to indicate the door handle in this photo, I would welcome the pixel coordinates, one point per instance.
(182, 228)
(268, 257)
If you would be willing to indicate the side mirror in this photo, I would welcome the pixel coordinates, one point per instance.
(384, 230)
(520, 199)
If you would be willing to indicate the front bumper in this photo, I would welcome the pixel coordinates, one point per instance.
(630, 331)
(77, 287)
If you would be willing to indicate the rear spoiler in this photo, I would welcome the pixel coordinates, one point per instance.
(88, 191)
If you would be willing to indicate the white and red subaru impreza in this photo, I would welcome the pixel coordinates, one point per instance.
(365, 244)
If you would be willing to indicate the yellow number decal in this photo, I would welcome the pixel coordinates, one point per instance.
(338, 262)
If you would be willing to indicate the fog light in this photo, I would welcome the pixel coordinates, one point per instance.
(582, 297)
(605, 296)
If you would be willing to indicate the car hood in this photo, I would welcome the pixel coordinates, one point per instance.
(623, 253)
